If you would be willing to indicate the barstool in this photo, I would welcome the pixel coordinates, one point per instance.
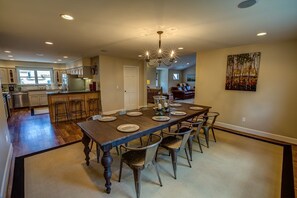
(77, 107)
(93, 106)
(60, 114)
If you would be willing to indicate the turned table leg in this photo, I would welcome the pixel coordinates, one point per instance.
(106, 163)
(86, 140)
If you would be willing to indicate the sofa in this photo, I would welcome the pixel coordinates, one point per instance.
(183, 91)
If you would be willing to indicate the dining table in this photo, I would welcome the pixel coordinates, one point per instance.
(107, 134)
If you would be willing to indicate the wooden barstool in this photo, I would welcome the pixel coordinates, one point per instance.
(59, 113)
(77, 108)
(93, 106)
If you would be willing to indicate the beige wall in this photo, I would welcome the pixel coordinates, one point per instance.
(272, 108)
(151, 76)
(190, 70)
(112, 81)
(171, 82)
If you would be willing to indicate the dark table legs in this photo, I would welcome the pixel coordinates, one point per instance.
(106, 163)
(86, 140)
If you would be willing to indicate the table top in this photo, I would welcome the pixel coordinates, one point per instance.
(107, 135)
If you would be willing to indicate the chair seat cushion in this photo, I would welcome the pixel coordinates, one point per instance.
(171, 142)
(134, 159)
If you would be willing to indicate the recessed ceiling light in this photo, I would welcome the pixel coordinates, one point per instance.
(139, 55)
(175, 61)
(188, 63)
(180, 48)
(10, 56)
(65, 56)
(7, 51)
(49, 43)
(55, 62)
(261, 34)
(39, 54)
(67, 17)
(11, 59)
(247, 4)
(59, 60)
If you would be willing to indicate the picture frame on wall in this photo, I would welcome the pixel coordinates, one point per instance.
(243, 71)
(191, 77)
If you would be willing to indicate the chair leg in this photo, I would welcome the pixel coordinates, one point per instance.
(198, 139)
(206, 133)
(121, 167)
(137, 177)
(190, 145)
(214, 137)
(156, 167)
(118, 152)
(174, 161)
(141, 142)
(91, 145)
(98, 153)
(188, 157)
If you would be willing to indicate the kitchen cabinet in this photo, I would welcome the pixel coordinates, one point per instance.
(37, 98)
(3, 76)
(81, 72)
(12, 77)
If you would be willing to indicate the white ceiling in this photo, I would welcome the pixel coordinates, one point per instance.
(127, 28)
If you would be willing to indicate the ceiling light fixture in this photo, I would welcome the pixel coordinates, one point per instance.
(7, 51)
(161, 57)
(11, 59)
(10, 56)
(39, 54)
(247, 4)
(262, 34)
(67, 17)
(48, 43)
(59, 60)
(65, 56)
(180, 48)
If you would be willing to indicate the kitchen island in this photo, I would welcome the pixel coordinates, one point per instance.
(67, 96)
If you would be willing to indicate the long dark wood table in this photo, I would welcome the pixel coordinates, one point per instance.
(106, 135)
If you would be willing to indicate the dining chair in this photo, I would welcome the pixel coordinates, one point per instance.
(138, 158)
(96, 117)
(195, 124)
(210, 118)
(175, 142)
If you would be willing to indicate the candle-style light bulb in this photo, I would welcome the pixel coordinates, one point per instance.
(160, 51)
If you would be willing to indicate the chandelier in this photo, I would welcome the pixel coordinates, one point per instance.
(160, 57)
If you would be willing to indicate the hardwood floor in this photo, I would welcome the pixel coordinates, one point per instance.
(30, 134)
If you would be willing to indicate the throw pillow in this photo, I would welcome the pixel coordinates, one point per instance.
(188, 87)
(180, 88)
(185, 89)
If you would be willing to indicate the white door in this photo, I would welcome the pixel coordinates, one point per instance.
(131, 90)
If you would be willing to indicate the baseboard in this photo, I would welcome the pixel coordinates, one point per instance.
(259, 133)
(6, 173)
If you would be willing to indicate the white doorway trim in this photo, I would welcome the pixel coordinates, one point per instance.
(126, 89)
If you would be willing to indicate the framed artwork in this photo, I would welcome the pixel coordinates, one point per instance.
(191, 77)
(242, 71)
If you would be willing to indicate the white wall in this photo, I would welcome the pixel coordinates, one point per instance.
(163, 76)
(272, 108)
(190, 70)
(5, 150)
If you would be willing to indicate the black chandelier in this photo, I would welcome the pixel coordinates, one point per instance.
(160, 57)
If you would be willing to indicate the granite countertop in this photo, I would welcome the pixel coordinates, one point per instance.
(69, 92)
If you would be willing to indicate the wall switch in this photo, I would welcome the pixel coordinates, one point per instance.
(243, 119)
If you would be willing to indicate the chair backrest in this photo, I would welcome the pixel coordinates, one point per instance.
(151, 149)
(212, 116)
(185, 133)
(94, 117)
(198, 125)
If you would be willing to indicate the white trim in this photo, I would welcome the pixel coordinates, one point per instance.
(257, 132)
(6, 173)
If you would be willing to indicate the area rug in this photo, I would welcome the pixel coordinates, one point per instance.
(234, 166)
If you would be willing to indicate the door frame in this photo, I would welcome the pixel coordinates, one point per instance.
(137, 83)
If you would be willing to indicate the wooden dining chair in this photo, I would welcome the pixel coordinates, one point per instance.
(139, 158)
(95, 117)
(175, 142)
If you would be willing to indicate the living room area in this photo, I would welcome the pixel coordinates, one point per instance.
(176, 82)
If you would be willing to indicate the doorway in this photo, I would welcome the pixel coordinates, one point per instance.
(131, 87)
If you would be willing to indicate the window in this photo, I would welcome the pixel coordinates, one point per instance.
(175, 76)
(30, 76)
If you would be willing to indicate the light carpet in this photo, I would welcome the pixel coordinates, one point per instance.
(235, 166)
